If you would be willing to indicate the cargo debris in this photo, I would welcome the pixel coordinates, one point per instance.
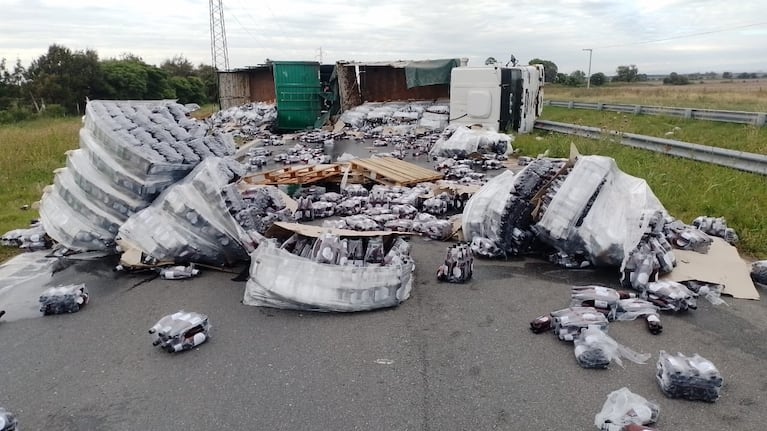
(623, 408)
(330, 270)
(180, 331)
(8, 420)
(63, 299)
(689, 377)
(595, 349)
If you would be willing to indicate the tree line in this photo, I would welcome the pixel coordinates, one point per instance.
(60, 81)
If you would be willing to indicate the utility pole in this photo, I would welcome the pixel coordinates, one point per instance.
(218, 51)
(588, 79)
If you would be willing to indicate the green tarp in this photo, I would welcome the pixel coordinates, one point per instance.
(429, 72)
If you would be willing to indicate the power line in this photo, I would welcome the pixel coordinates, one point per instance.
(683, 36)
(231, 14)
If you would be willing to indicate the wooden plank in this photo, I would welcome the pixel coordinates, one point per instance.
(392, 171)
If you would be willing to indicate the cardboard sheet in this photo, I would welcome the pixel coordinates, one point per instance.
(283, 230)
(721, 265)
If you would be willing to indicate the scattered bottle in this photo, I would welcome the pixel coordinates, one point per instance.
(8, 421)
(653, 324)
(541, 324)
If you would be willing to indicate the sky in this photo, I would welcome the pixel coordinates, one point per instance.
(658, 36)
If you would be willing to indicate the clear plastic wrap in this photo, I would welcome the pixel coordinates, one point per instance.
(595, 349)
(69, 228)
(483, 213)
(29, 239)
(690, 377)
(191, 221)
(624, 407)
(716, 226)
(63, 299)
(180, 331)
(8, 421)
(458, 266)
(670, 296)
(568, 322)
(321, 287)
(604, 299)
(464, 141)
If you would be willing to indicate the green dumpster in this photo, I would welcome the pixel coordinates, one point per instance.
(297, 87)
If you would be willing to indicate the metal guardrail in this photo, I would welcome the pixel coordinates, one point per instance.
(749, 162)
(758, 119)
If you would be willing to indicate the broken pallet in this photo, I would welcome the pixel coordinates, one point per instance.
(393, 172)
(306, 174)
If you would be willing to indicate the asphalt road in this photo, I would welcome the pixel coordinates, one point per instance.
(452, 357)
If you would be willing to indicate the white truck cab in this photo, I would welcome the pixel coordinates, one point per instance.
(503, 99)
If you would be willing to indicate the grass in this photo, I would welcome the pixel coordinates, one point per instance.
(749, 95)
(29, 152)
(686, 188)
(738, 137)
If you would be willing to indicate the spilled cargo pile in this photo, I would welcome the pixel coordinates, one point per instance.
(252, 120)
(330, 270)
(129, 153)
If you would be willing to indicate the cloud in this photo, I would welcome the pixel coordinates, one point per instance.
(619, 31)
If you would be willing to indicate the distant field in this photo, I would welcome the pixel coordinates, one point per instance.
(737, 95)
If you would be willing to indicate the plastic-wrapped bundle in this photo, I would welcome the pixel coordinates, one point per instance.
(318, 287)
(598, 211)
(433, 121)
(670, 296)
(331, 197)
(569, 260)
(464, 141)
(91, 211)
(192, 221)
(68, 228)
(361, 223)
(399, 225)
(711, 291)
(716, 226)
(404, 211)
(759, 273)
(568, 322)
(686, 237)
(434, 229)
(327, 249)
(434, 206)
(458, 266)
(650, 257)
(180, 331)
(350, 206)
(374, 251)
(595, 349)
(604, 299)
(486, 248)
(690, 377)
(30, 239)
(63, 299)
(355, 190)
(624, 407)
(631, 308)
(8, 420)
(383, 218)
(323, 209)
(305, 209)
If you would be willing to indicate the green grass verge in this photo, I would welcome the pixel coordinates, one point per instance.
(29, 152)
(686, 188)
(738, 137)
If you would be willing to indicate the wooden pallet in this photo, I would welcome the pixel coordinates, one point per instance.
(393, 172)
(305, 174)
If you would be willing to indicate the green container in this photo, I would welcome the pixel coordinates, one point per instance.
(297, 87)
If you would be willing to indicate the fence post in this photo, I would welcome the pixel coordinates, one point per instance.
(761, 119)
(688, 114)
(570, 104)
(637, 109)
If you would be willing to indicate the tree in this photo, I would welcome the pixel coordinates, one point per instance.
(628, 73)
(675, 79)
(178, 66)
(550, 69)
(561, 78)
(209, 77)
(744, 75)
(576, 78)
(131, 78)
(189, 90)
(726, 75)
(598, 79)
(66, 78)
